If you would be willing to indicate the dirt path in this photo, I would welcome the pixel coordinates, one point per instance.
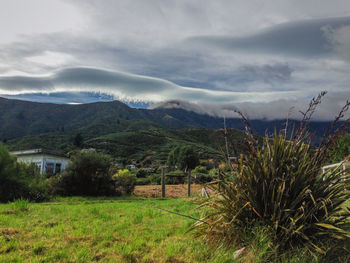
(172, 191)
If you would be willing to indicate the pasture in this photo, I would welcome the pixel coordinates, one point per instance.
(102, 230)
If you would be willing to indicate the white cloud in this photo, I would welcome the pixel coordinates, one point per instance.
(126, 86)
(52, 59)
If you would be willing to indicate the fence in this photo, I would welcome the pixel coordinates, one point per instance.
(187, 175)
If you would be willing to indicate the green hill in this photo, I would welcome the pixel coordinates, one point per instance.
(140, 142)
(131, 135)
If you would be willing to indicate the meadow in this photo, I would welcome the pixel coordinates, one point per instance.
(120, 229)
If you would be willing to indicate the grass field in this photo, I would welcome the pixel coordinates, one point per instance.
(102, 230)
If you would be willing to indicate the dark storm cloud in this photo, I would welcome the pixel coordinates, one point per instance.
(302, 38)
(267, 73)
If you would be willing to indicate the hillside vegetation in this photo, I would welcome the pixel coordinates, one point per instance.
(140, 142)
(21, 118)
(140, 136)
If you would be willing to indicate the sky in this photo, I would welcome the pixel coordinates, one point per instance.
(265, 58)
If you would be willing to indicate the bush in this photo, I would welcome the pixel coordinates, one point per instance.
(279, 185)
(143, 181)
(142, 173)
(20, 180)
(155, 178)
(87, 174)
(124, 181)
(214, 173)
(201, 175)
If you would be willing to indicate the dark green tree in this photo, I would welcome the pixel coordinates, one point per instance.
(184, 157)
(19, 180)
(188, 158)
(173, 156)
(78, 140)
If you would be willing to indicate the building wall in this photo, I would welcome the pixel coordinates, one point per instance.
(344, 166)
(46, 163)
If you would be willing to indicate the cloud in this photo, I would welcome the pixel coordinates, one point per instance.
(123, 86)
(62, 97)
(278, 109)
(19, 18)
(267, 73)
(263, 55)
(301, 38)
(52, 59)
(339, 40)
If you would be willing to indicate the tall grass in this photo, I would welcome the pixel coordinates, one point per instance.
(278, 186)
(20, 205)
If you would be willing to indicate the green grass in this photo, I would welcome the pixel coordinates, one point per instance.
(108, 229)
(102, 229)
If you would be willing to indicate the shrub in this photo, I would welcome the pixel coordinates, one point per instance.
(124, 181)
(214, 173)
(200, 169)
(201, 175)
(87, 174)
(20, 180)
(279, 185)
(142, 173)
(155, 178)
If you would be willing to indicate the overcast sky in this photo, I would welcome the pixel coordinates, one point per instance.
(262, 57)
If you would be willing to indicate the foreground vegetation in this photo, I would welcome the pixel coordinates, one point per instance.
(278, 189)
(115, 229)
(105, 229)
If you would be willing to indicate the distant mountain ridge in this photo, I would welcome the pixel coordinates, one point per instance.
(20, 118)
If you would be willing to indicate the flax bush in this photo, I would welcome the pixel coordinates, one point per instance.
(279, 186)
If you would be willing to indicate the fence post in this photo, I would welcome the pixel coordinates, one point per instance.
(189, 182)
(163, 182)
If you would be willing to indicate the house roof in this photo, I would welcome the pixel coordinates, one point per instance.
(38, 151)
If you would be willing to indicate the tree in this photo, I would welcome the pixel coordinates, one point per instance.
(19, 180)
(341, 149)
(188, 158)
(184, 157)
(173, 156)
(78, 140)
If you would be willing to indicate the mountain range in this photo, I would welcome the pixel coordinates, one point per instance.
(124, 132)
(19, 118)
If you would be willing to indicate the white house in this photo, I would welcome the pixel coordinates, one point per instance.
(132, 166)
(344, 165)
(48, 161)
